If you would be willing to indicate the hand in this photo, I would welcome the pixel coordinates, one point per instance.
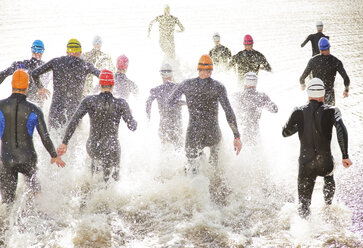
(303, 86)
(345, 93)
(62, 149)
(237, 145)
(58, 161)
(346, 162)
(44, 93)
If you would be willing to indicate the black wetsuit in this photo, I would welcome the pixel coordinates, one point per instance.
(124, 86)
(69, 76)
(202, 97)
(249, 61)
(249, 105)
(326, 67)
(314, 39)
(220, 55)
(29, 65)
(18, 118)
(314, 122)
(170, 128)
(105, 112)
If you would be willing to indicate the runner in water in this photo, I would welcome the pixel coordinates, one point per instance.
(124, 86)
(18, 119)
(314, 123)
(202, 96)
(170, 127)
(314, 38)
(37, 50)
(105, 113)
(167, 24)
(99, 59)
(69, 76)
(249, 106)
(325, 66)
(220, 54)
(249, 60)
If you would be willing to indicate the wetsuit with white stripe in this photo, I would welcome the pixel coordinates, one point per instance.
(314, 123)
(103, 146)
(18, 119)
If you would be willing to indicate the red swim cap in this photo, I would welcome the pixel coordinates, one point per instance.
(106, 77)
(248, 40)
(122, 62)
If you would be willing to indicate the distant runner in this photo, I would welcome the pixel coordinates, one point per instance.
(18, 119)
(220, 54)
(167, 24)
(325, 66)
(99, 59)
(314, 38)
(249, 60)
(249, 106)
(170, 127)
(314, 123)
(69, 76)
(105, 113)
(203, 94)
(37, 50)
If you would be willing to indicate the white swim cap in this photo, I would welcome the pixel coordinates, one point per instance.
(216, 37)
(250, 79)
(319, 25)
(97, 40)
(166, 71)
(315, 88)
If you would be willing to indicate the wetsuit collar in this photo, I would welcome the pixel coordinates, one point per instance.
(314, 102)
(109, 93)
(18, 96)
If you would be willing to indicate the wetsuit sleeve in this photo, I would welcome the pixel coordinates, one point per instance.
(291, 127)
(231, 117)
(229, 54)
(7, 72)
(135, 89)
(127, 117)
(93, 70)
(306, 72)
(44, 135)
(342, 133)
(151, 24)
(344, 75)
(149, 102)
(264, 63)
(270, 105)
(176, 94)
(35, 74)
(306, 41)
(81, 111)
(179, 24)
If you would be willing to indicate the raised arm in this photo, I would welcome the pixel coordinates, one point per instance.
(150, 26)
(149, 103)
(9, 71)
(35, 74)
(306, 41)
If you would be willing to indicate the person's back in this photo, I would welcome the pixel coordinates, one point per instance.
(124, 87)
(314, 38)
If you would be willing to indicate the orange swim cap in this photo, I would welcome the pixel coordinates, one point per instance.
(205, 63)
(20, 79)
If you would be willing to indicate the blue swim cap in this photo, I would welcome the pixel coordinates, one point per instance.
(38, 46)
(324, 43)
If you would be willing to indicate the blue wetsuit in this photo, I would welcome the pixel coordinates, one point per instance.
(18, 119)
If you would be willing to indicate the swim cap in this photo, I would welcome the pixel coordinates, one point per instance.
(97, 40)
(37, 46)
(74, 46)
(247, 40)
(324, 43)
(315, 88)
(216, 37)
(166, 71)
(250, 79)
(205, 63)
(20, 79)
(319, 25)
(122, 62)
(106, 77)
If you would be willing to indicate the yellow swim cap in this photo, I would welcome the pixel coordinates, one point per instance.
(74, 46)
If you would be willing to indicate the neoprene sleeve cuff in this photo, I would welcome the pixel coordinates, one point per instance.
(345, 156)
